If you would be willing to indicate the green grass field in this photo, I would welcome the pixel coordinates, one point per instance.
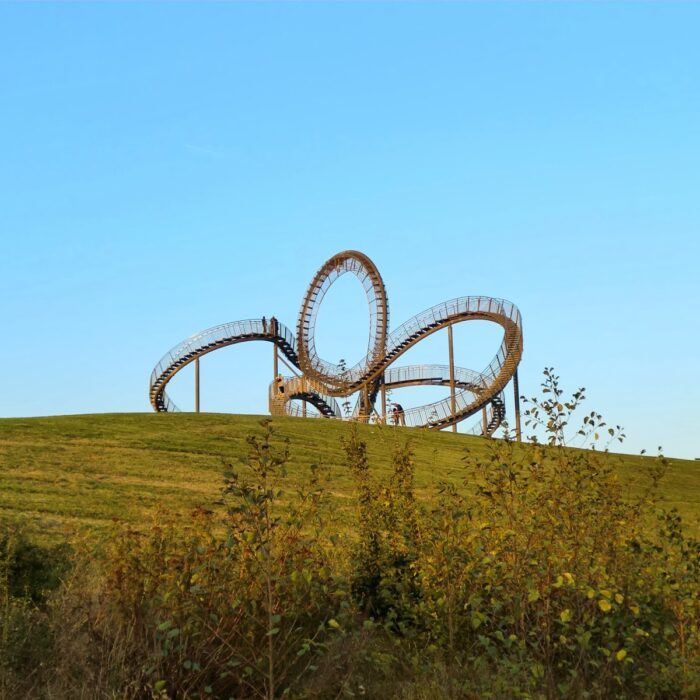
(68, 474)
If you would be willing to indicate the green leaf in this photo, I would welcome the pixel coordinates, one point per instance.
(537, 670)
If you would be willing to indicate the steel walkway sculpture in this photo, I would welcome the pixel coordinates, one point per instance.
(320, 382)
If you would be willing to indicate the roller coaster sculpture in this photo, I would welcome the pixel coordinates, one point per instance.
(320, 382)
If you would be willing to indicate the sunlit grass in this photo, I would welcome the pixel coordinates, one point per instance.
(69, 474)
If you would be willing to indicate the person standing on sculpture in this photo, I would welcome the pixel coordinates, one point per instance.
(398, 414)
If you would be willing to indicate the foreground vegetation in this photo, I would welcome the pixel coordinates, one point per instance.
(522, 571)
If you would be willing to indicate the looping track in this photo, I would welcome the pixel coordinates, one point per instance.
(366, 272)
(321, 381)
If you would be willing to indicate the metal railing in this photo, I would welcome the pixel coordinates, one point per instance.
(322, 381)
(211, 339)
(419, 326)
(284, 390)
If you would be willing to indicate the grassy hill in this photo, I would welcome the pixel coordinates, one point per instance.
(67, 474)
(531, 589)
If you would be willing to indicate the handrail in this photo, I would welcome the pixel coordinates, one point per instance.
(422, 325)
(321, 381)
(285, 389)
(211, 339)
(497, 373)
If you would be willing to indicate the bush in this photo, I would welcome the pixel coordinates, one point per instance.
(536, 576)
(29, 572)
(239, 607)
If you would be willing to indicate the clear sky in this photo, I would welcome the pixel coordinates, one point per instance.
(169, 167)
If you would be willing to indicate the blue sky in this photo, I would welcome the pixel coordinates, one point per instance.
(169, 167)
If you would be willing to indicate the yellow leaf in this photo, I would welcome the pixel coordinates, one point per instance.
(604, 605)
(565, 615)
(621, 655)
(590, 593)
(605, 592)
(619, 598)
(634, 609)
(569, 578)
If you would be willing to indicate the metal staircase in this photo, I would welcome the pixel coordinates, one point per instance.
(321, 381)
(285, 389)
(207, 341)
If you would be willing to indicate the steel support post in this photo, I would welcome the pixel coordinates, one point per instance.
(196, 385)
(292, 369)
(484, 422)
(275, 365)
(453, 403)
(383, 391)
(516, 396)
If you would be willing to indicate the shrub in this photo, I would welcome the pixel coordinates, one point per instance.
(535, 576)
(383, 559)
(539, 575)
(29, 572)
(239, 607)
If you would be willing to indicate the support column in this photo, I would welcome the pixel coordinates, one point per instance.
(362, 413)
(383, 392)
(453, 403)
(484, 422)
(196, 385)
(275, 364)
(516, 393)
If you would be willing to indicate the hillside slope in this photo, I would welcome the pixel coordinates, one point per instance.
(66, 474)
